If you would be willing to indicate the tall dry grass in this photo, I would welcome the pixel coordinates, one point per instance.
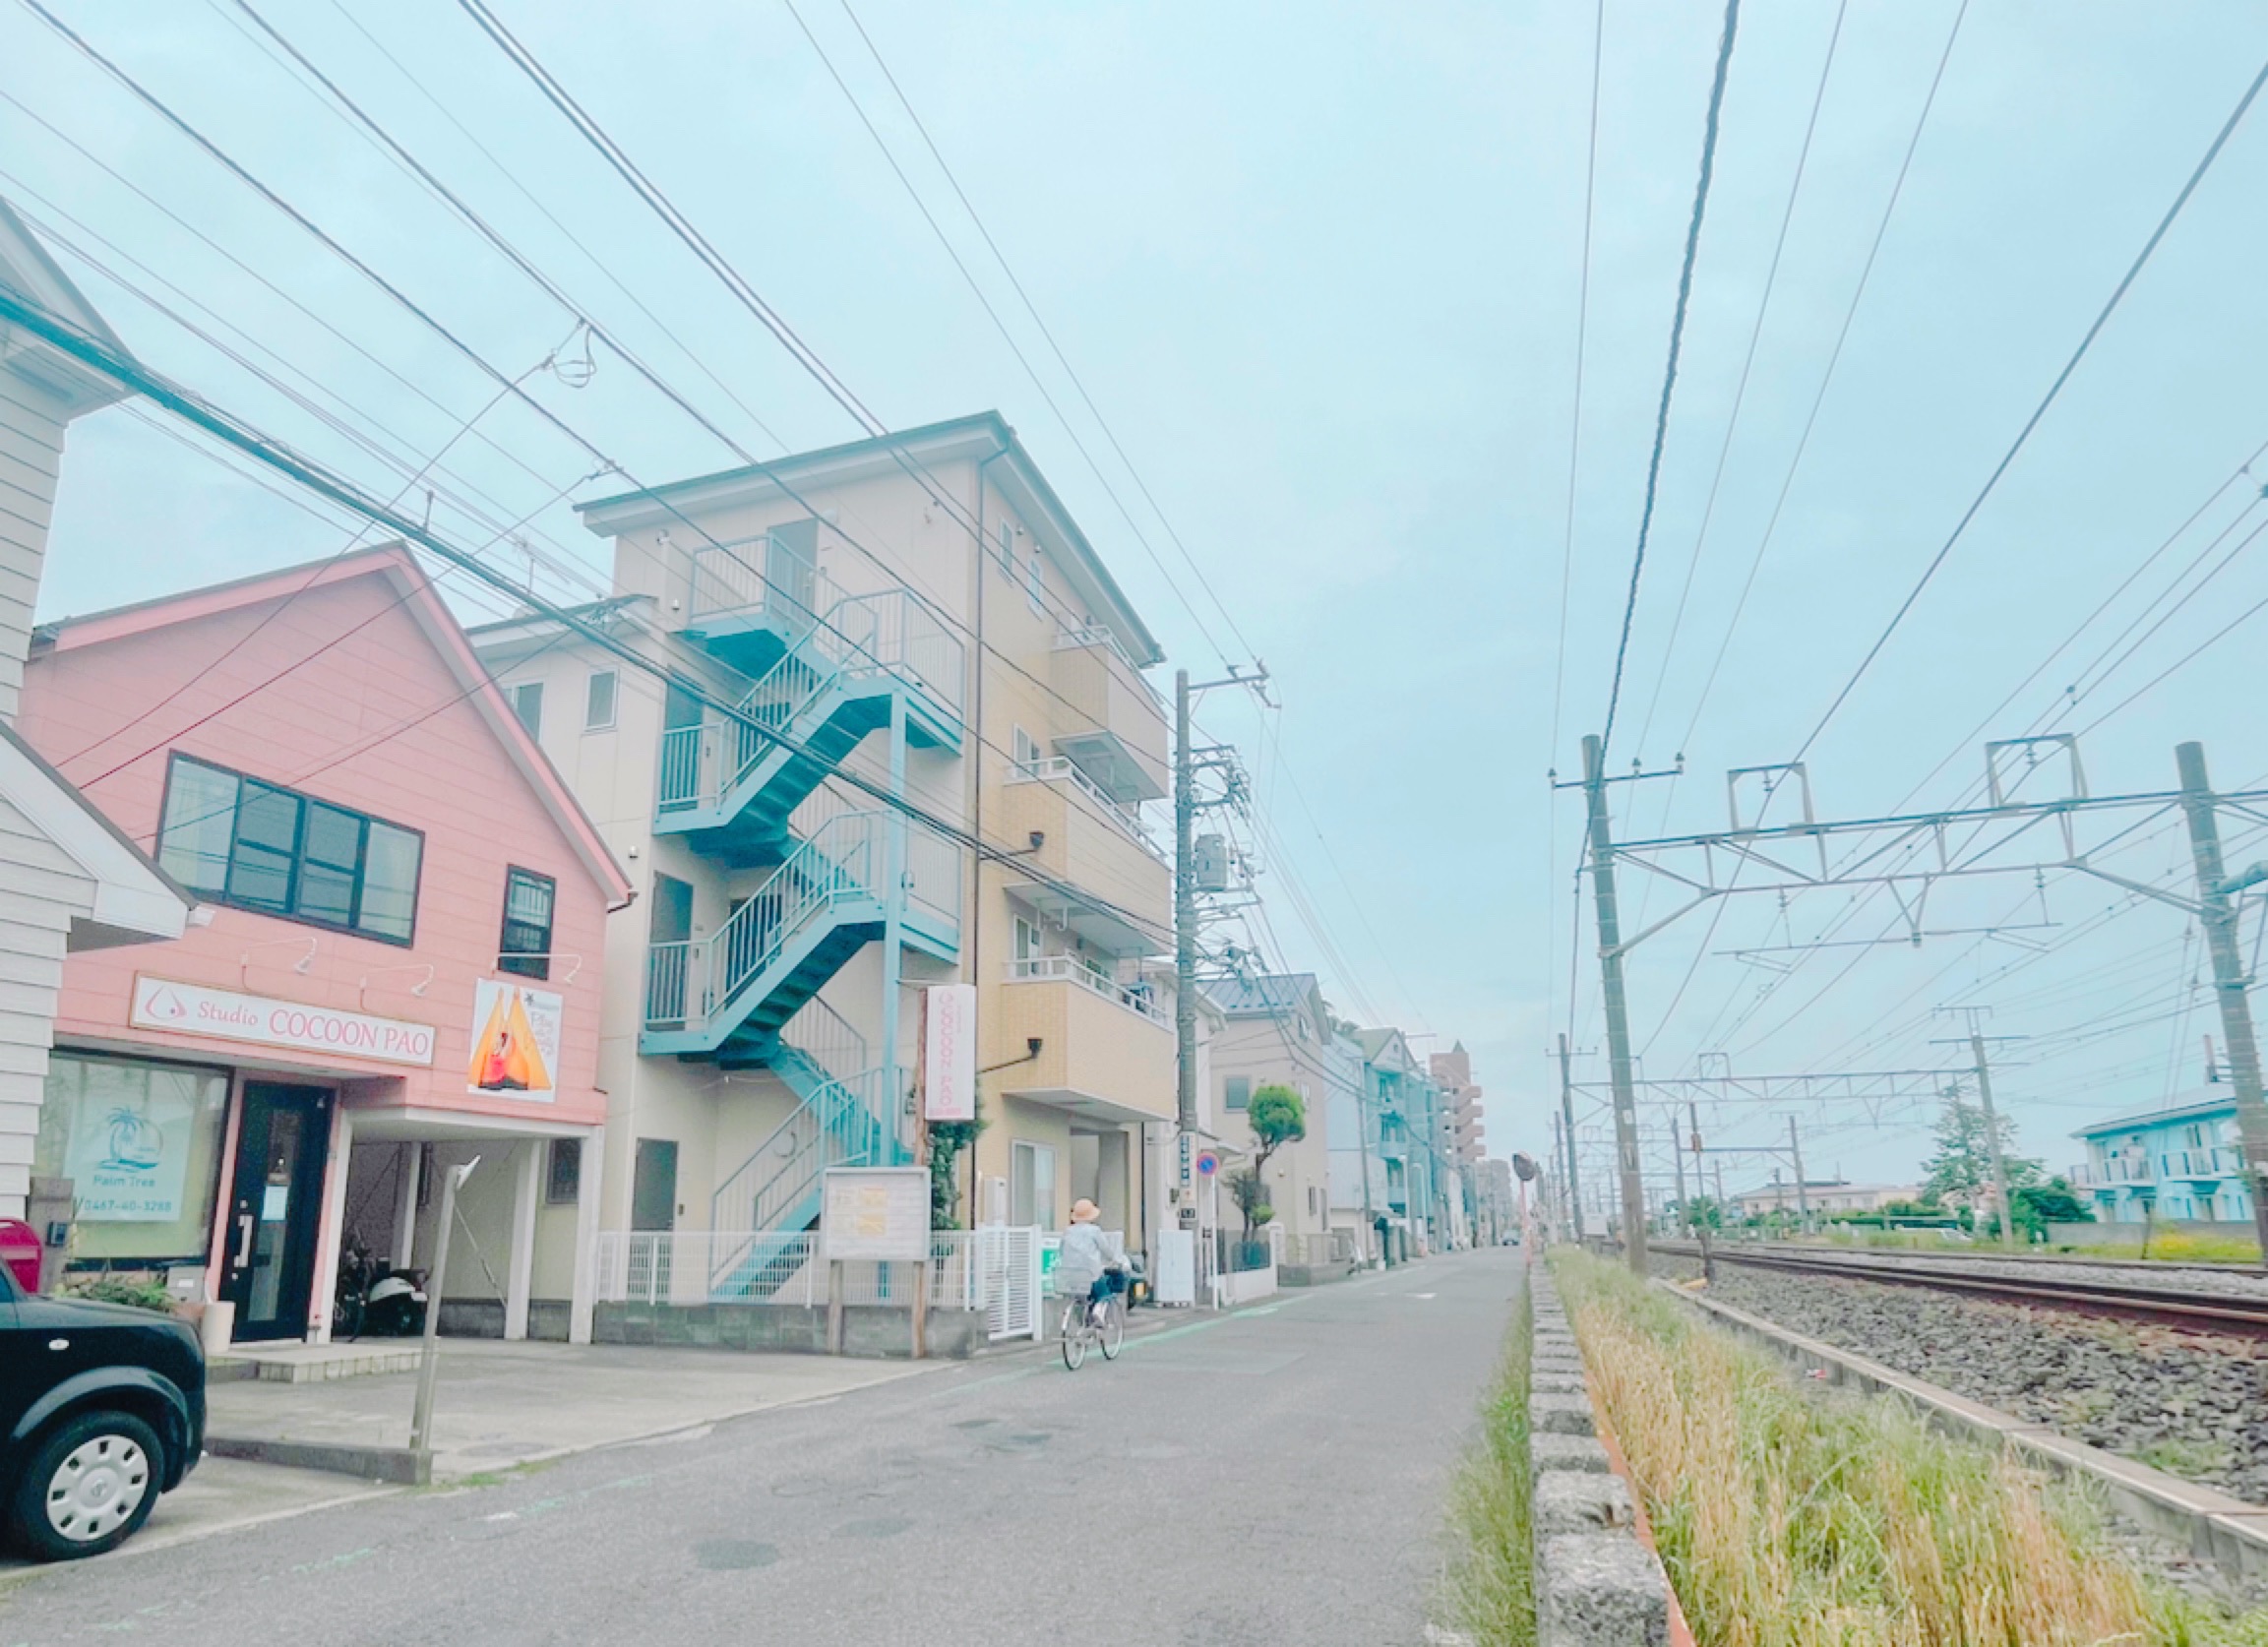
(1488, 1585)
(1796, 1517)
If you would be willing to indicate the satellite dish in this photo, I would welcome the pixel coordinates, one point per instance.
(1525, 1166)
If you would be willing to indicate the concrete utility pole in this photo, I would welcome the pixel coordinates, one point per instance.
(1716, 1208)
(1568, 1123)
(1185, 927)
(1677, 1161)
(1992, 1136)
(2218, 916)
(1609, 923)
(1803, 1195)
(1184, 956)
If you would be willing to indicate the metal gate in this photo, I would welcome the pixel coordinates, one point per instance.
(1007, 1261)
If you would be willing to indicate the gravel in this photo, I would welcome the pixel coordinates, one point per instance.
(2192, 1404)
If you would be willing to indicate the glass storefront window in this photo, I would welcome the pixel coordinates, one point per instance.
(141, 1144)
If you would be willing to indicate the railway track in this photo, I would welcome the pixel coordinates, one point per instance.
(2172, 1306)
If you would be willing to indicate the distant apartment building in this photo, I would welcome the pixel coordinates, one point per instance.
(1822, 1197)
(1276, 1032)
(1452, 1072)
(2184, 1161)
(890, 650)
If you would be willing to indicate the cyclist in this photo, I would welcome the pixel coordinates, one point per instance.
(1084, 1263)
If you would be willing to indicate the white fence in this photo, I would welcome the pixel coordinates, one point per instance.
(993, 1270)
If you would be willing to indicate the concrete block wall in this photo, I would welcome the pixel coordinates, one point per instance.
(1596, 1584)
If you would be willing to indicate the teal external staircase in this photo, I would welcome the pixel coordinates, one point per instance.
(723, 997)
(729, 784)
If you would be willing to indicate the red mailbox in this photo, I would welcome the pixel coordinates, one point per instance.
(20, 1252)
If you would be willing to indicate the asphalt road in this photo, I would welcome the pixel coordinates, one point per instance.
(1274, 1476)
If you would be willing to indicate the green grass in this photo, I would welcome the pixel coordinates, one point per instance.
(1489, 1591)
(1793, 1517)
(2178, 1455)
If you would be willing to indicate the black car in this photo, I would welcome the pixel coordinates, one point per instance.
(102, 1409)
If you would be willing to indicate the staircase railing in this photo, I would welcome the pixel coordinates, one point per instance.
(844, 860)
(860, 637)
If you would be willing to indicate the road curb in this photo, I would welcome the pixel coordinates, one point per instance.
(398, 1466)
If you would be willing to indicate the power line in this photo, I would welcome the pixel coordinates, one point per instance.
(1819, 398)
(1000, 325)
(1669, 373)
(1741, 389)
(191, 408)
(2133, 271)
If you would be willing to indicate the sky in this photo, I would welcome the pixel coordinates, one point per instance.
(1323, 269)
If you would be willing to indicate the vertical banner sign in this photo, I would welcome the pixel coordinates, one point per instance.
(514, 1041)
(948, 1053)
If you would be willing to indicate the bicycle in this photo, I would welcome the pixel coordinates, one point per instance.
(1101, 1323)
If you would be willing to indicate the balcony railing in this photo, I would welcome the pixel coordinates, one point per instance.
(2219, 1161)
(1134, 998)
(2113, 1171)
(1057, 768)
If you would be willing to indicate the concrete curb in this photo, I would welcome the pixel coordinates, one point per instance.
(1596, 1584)
(401, 1466)
(2211, 1525)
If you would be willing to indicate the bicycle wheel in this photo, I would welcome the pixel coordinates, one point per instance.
(1074, 1331)
(1113, 1328)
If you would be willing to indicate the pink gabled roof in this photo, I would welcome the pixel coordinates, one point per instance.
(400, 568)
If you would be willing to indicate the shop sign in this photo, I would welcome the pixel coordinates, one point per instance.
(948, 1053)
(514, 1041)
(264, 1020)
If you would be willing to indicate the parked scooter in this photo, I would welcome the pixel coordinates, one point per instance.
(373, 1297)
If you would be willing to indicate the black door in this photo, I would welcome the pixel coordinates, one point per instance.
(278, 1198)
(653, 1185)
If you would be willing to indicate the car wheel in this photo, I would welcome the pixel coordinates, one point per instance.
(88, 1484)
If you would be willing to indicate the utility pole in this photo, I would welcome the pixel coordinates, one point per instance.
(1185, 958)
(1185, 929)
(1677, 1160)
(1981, 1067)
(1717, 1207)
(1610, 921)
(2218, 916)
(1567, 1122)
(1992, 1136)
(1803, 1195)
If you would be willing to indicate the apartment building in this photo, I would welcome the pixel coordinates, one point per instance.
(1402, 1097)
(1452, 1072)
(2183, 1161)
(884, 653)
(1276, 1031)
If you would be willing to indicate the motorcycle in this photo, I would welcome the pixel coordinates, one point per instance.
(376, 1299)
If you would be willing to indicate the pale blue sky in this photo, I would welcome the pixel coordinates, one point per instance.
(1319, 265)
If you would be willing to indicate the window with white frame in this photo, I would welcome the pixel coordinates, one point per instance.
(1035, 581)
(598, 700)
(1028, 939)
(1028, 753)
(527, 704)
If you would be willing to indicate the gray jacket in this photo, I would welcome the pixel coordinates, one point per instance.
(1085, 1254)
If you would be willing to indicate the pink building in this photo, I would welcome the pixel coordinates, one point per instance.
(394, 965)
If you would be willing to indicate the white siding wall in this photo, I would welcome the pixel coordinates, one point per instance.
(41, 891)
(31, 448)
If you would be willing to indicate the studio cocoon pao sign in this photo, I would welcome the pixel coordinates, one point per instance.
(514, 1041)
